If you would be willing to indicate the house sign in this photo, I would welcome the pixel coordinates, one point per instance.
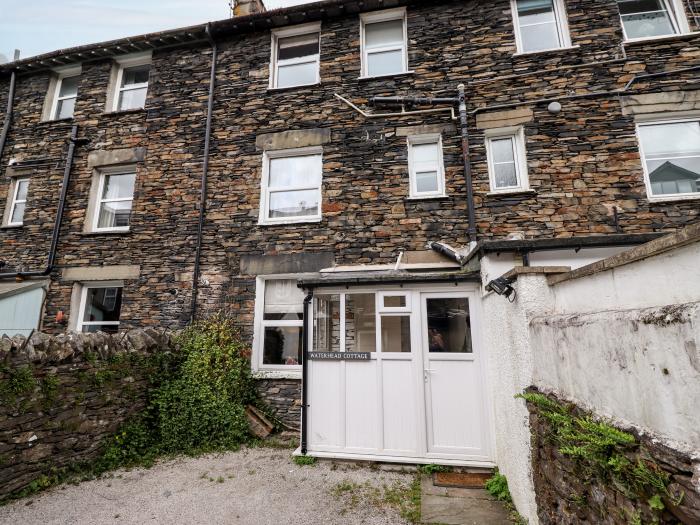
(340, 356)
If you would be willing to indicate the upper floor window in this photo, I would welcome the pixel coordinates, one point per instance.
(671, 155)
(507, 163)
(291, 186)
(279, 306)
(651, 18)
(384, 48)
(425, 166)
(540, 25)
(65, 97)
(115, 199)
(131, 83)
(295, 56)
(19, 189)
(100, 308)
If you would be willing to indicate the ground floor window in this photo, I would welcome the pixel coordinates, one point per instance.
(279, 324)
(100, 308)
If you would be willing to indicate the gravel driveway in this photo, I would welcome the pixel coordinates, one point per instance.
(254, 486)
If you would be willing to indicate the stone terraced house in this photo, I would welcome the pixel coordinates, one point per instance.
(376, 164)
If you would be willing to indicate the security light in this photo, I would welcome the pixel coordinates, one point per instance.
(502, 286)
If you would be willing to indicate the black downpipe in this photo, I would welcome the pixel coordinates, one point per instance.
(59, 213)
(467, 165)
(8, 112)
(304, 371)
(205, 171)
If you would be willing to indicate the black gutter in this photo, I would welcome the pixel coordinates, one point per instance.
(8, 112)
(334, 281)
(74, 140)
(205, 172)
(304, 372)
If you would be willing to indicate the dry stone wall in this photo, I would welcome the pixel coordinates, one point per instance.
(61, 396)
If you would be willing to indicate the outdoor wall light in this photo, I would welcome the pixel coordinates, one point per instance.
(502, 286)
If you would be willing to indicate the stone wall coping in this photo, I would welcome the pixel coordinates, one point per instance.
(688, 235)
(536, 270)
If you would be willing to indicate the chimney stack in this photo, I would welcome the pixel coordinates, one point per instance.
(246, 7)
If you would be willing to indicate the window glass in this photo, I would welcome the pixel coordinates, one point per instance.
(425, 167)
(504, 163)
(384, 63)
(294, 187)
(538, 25)
(283, 300)
(396, 333)
(283, 345)
(65, 108)
(394, 301)
(449, 326)
(381, 34)
(20, 200)
(65, 103)
(102, 310)
(116, 201)
(672, 156)
(327, 323)
(297, 60)
(69, 87)
(134, 87)
(360, 323)
(384, 47)
(646, 18)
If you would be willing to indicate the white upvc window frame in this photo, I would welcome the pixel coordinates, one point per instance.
(126, 62)
(300, 30)
(61, 75)
(265, 190)
(517, 136)
(677, 15)
(259, 325)
(83, 300)
(15, 201)
(383, 16)
(647, 181)
(414, 140)
(103, 174)
(562, 23)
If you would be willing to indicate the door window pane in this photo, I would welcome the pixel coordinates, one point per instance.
(449, 326)
(394, 301)
(360, 323)
(396, 333)
(282, 345)
(672, 157)
(327, 324)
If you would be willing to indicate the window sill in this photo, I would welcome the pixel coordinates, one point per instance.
(288, 222)
(673, 198)
(428, 198)
(106, 232)
(126, 112)
(276, 374)
(380, 77)
(48, 122)
(541, 51)
(654, 39)
(11, 226)
(291, 88)
(510, 193)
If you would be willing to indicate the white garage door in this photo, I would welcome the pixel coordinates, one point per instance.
(419, 396)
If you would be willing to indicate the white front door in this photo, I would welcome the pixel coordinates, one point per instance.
(419, 398)
(456, 421)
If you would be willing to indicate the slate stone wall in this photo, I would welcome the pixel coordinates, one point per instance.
(61, 396)
(283, 396)
(582, 162)
(565, 495)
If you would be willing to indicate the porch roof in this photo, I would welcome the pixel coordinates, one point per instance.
(385, 277)
(9, 289)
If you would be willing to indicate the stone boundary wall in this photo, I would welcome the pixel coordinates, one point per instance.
(566, 496)
(60, 396)
(283, 396)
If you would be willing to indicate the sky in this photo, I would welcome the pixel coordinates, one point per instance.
(39, 26)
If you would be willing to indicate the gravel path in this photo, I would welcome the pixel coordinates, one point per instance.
(253, 486)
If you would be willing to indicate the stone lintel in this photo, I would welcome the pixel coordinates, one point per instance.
(115, 156)
(101, 273)
(504, 119)
(286, 263)
(665, 102)
(293, 139)
(427, 129)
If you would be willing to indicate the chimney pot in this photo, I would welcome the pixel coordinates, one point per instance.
(246, 7)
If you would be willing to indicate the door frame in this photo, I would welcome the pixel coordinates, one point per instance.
(416, 291)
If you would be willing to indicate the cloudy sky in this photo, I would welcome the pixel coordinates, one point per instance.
(39, 26)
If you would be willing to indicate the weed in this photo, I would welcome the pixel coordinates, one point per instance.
(304, 460)
(431, 468)
(497, 486)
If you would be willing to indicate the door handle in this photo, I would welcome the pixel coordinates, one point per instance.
(426, 373)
